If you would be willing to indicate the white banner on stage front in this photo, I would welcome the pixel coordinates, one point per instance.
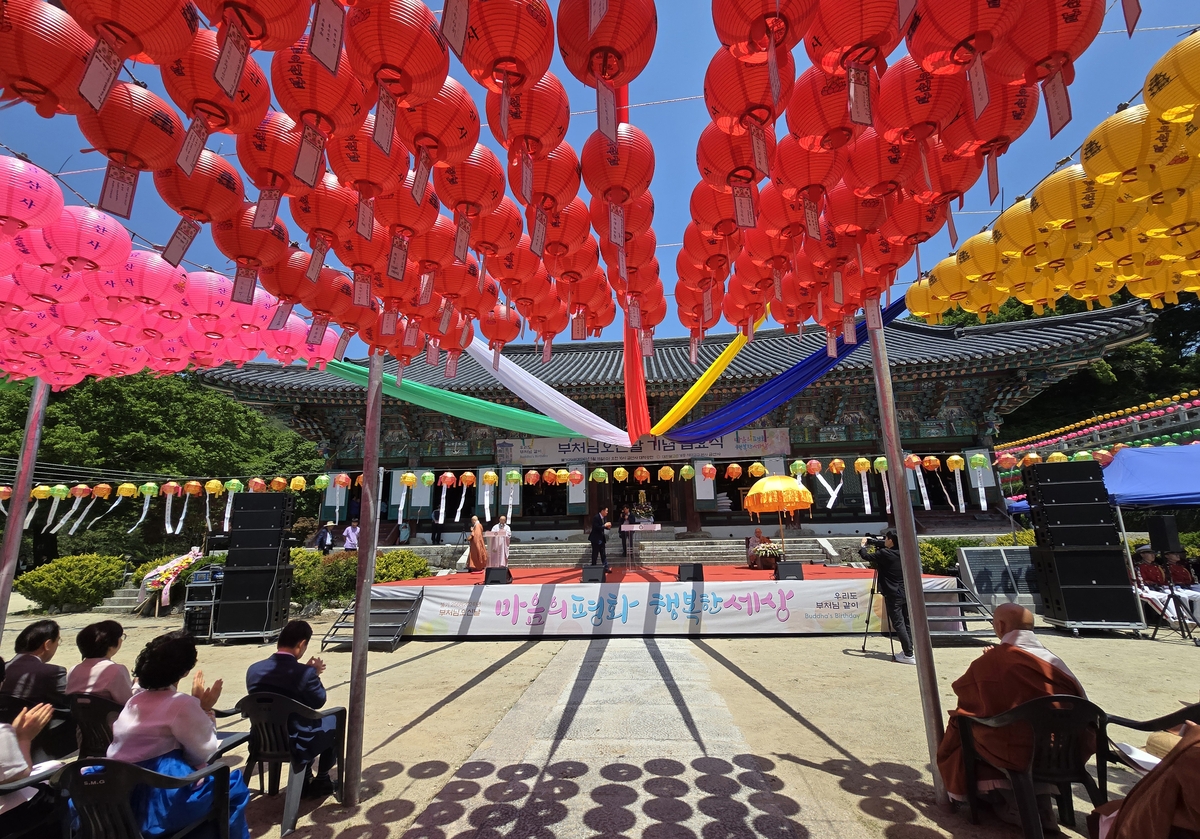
(767, 607)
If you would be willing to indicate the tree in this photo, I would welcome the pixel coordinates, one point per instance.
(171, 425)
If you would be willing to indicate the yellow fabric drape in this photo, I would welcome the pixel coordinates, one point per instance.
(705, 382)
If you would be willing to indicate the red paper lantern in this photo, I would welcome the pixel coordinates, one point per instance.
(618, 172)
(794, 307)
(818, 113)
(727, 160)
(237, 239)
(829, 250)
(397, 44)
(743, 305)
(620, 47)
(269, 25)
(457, 279)
(268, 155)
(912, 222)
(508, 41)
(361, 165)
(160, 30)
(739, 95)
(883, 256)
(327, 213)
(1046, 40)
(638, 251)
(766, 250)
(362, 255)
(335, 105)
(331, 296)
(950, 176)
(527, 293)
(434, 248)
(516, 267)
(538, 116)
(1010, 111)
(500, 326)
(748, 273)
(878, 167)
(710, 252)
(190, 84)
(747, 27)
(860, 33)
(214, 191)
(850, 214)
(800, 171)
(134, 128)
(499, 231)
(914, 103)
(474, 301)
(713, 211)
(642, 283)
(286, 278)
(402, 215)
(566, 229)
(446, 127)
(781, 216)
(690, 302)
(575, 266)
(43, 53)
(946, 35)
(639, 215)
(556, 178)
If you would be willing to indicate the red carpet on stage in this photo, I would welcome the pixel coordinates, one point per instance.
(656, 574)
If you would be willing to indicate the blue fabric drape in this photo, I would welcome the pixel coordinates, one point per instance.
(766, 398)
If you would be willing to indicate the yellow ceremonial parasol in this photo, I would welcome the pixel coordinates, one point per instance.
(778, 494)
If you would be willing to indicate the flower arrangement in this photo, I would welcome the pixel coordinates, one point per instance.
(643, 511)
(769, 549)
(170, 573)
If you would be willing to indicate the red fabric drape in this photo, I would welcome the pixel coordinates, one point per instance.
(637, 409)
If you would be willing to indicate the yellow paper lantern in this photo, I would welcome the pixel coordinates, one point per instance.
(1128, 147)
(1097, 289)
(956, 463)
(983, 300)
(490, 478)
(946, 281)
(212, 487)
(666, 473)
(862, 465)
(1041, 293)
(1057, 457)
(923, 305)
(757, 470)
(1170, 179)
(1116, 220)
(298, 484)
(1172, 88)
(980, 258)
(1179, 216)
(1017, 229)
(41, 491)
(1068, 199)
(563, 476)
(621, 474)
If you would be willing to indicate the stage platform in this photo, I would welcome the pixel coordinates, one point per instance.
(644, 601)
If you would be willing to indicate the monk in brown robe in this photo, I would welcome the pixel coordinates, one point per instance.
(1008, 674)
(477, 558)
(1164, 803)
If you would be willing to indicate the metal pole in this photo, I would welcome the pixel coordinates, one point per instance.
(368, 541)
(910, 553)
(14, 525)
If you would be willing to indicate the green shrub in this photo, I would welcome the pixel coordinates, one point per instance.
(333, 577)
(933, 560)
(400, 565)
(950, 546)
(72, 581)
(1190, 542)
(1021, 537)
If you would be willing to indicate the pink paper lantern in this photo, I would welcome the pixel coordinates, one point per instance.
(123, 335)
(25, 324)
(31, 248)
(148, 278)
(82, 347)
(208, 302)
(36, 346)
(158, 323)
(14, 298)
(83, 238)
(9, 258)
(319, 355)
(169, 355)
(254, 316)
(29, 196)
(50, 286)
(284, 345)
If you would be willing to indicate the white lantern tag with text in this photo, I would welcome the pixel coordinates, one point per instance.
(537, 242)
(1058, 103)
(398, 258)
(462, 238)
(118, 190)
(181, 240)
(622, 263)
(231, 60)
(421, 176)
(904, 10)
(362, 290)
(773, 70)
(860, 94)
(388, 325)
(431, 353)
(454, 25)
(812, 218)
(838, 290)
(743, 206)
(99, 74)
(849, 330)
(616, 223)
(425, 294)
(365, 223)
(634, 310)
(411, 333)
(578, 326)
(316, 332)
(708, 304)
(266, 209)
(447, 319)
(193, 144)
(977, 81)
(526, 177)
(325, 37)
(385, 121)
(312, 151)
(546, 350)
(482, 271)
(496, 366)
(317, 261)
(758, 146)
(340, 350)
(282, 312)
(777, 277)
(606, 109)
(244, 284)
(451, 365)
(597, 9)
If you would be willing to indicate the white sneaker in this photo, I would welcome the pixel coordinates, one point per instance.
(905, 659)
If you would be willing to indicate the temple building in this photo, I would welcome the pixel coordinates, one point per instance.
(953, 387)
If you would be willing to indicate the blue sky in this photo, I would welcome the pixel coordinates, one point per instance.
(1110, 72)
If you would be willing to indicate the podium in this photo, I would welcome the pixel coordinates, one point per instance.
(497, 546)
(633, 530)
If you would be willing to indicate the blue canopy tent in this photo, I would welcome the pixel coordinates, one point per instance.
(1158, 477)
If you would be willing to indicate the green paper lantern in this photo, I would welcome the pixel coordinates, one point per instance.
(881, 464)
(1081, 456)
(428, 478)
(60, 491)
(599, 476)
(149, 490)
(234, 486)
(797, 468)
(512, 476)
(687, 472)
(321, 482)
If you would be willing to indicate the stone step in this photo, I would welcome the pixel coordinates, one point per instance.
(129, 602)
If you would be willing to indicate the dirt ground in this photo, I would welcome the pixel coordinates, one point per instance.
(837, 732)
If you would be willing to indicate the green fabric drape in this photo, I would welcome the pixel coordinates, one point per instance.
(457, 405)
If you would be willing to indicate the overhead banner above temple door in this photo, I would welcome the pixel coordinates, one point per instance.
(747, 444)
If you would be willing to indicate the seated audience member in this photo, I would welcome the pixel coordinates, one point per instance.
(174, 733)
(24, 807)
(30, 676)
(1152, 582)
(284, 674)
(1163, 804)
(1008, 674)
(1184, 581)
(98, 674)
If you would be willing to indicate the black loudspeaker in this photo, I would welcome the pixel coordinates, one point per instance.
(497, 577)
(1077, 536)
(1063, 473)
(691, 573)
(789, 570)
(1056, 515)
(240, 540)
(254, 600)
(1088, 492)
(1085, 586)
(1164, 535)
(593, 574)
(258, 526)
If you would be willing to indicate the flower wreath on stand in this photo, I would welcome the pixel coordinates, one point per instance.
(162, 577)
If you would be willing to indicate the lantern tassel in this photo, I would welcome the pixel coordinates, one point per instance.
(4, 509)
(207, 512)
(145, 511)
(461, 500)
(487, 502)
(512, 491)
(442, 508)
(979, 486)
(833, 496)
(182, 516)
(866, 493)
(53, 512)
(111, 507)
(821, 480)
(924, 490)
(887, 497)
(167, 514)
(962, 506)
(82, 516)
(29, 516)
(945, 492)
(70, 512)
(403, 498)
(228, 510)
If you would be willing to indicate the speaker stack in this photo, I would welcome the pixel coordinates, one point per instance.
(257, 588)
(1079, 560)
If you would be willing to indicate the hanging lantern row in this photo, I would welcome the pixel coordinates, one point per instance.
(1126, 216)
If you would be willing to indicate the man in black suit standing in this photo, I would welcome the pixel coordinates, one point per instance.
(599, 537)
(284, 674)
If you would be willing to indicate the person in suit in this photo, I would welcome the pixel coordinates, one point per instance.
(284, 674)
(324, 541)
(599, 537)
(627, 517)
(31, 679)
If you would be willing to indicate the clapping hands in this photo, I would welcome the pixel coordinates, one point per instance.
(30, 722)
(208, 696)
(317, 664)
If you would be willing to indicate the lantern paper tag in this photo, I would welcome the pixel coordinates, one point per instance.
(977, 80)
(282, 313)
(325, 39)
(462, 238)
(812, 218)
(758, 144)
(831, 343)
(1133, 11)
(537, 242)
(546, 352)
(385, 121)
(597, 9)
(874, 316)
(366, 217)
(100, 74)
(773, 71)
(777, 276)
(120, 185)
(451, 365)
(848, 329)
(694, 350)
(743, 206)
(496, 358)
(924, 165)
(388, 326)
(616, 223)
(431, 353)
(993, 176)
(634, 310)
(454, 25)
(749, 330)
(504, 105)
(244, 284)
(340, 349)
(464, 337)
(181, 240)
(317, 261)
(708, 304)
(905, 9)
(426, 292)
(622, 263)
(1058, 103)
(606, 109)
(950, 226)
(647, 341)
(362, 290)
(232, 59)
(316, 332)
(447, 317)
(308, 161)
(860, 94)
(838, 299)
(820, 306)
(482, 270)
(398, 258)
(526, 177)
(421, 178)
(411, 333)
(266, 209)
(193, 144)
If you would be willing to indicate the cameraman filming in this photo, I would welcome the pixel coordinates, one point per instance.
(885, 559)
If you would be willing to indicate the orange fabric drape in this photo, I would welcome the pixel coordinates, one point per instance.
(637, 408)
